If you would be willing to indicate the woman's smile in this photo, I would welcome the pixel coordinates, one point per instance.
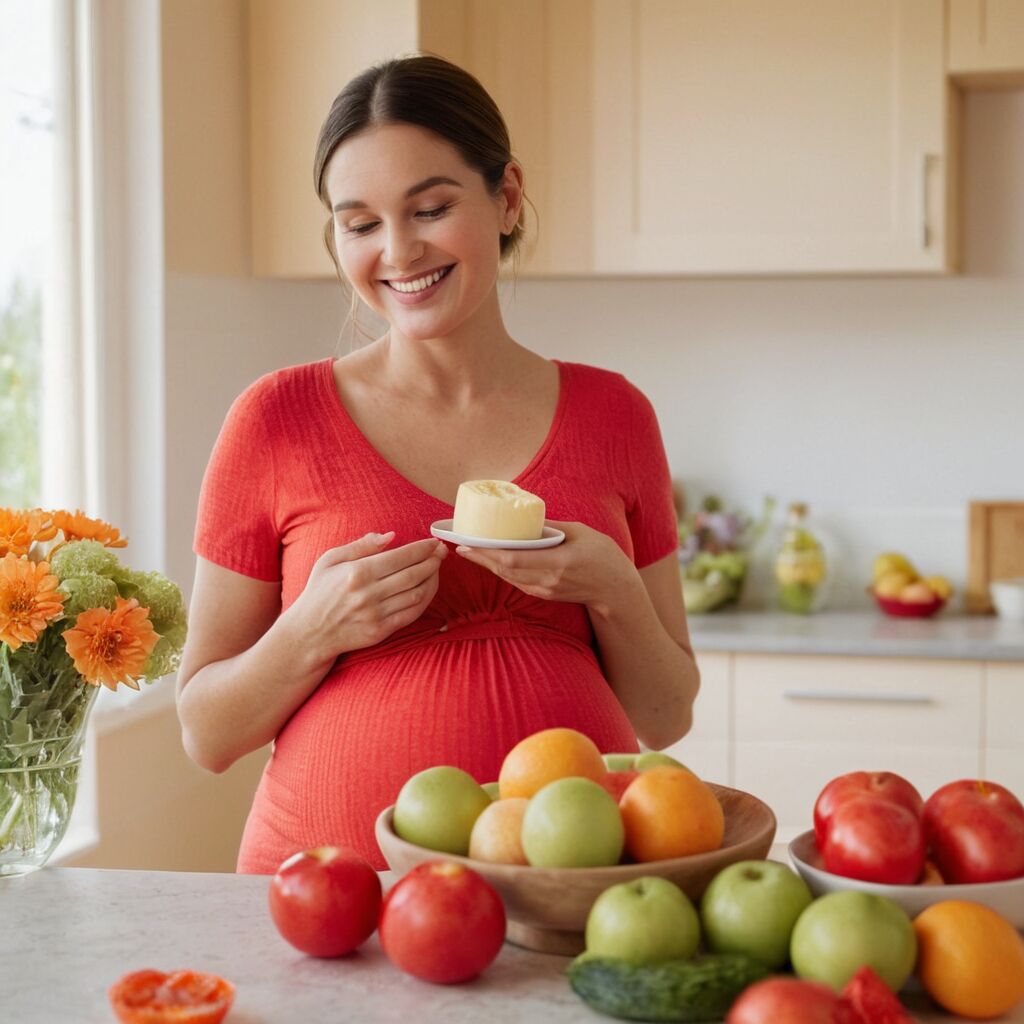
(411, 291)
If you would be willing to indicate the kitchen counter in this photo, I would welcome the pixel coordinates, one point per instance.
(71, 932)
(867, 633)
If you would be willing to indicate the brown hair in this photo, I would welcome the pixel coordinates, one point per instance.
(432, 93)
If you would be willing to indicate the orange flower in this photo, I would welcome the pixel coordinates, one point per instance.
(29, 599)
(78, 526)
(111, 647)
(19, 529)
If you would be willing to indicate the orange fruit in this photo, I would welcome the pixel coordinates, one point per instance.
(669, 812)
(495, 835)
(970, 959)
(546, 756)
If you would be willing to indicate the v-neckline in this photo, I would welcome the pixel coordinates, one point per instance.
(345, 418)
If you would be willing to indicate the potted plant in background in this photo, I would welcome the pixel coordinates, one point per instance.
(715, 547)
(72, 617)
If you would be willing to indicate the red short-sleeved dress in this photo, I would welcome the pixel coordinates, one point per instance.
(291, 475)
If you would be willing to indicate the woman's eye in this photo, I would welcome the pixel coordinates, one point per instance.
(438, 211)
(361, 229)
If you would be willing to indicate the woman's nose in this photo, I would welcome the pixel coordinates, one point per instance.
(401, 246)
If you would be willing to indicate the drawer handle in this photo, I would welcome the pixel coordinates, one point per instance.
(858, 697)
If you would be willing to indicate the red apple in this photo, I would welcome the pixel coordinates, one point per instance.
(778, 1000)
(325, 901)
(442, 922)
(874, 840)
(975, 830)
(887, 785)
(616, 782)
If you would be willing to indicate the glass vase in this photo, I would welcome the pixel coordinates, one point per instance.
(44, 709)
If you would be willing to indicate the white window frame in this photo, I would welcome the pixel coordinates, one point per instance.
(103, 344)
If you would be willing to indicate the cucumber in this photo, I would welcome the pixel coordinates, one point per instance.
(701, 989)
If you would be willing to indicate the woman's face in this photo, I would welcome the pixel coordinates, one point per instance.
(415, 229)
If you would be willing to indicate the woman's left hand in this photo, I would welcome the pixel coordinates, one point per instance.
(587, 568)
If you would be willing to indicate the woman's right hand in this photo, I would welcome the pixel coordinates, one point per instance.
(360, 593)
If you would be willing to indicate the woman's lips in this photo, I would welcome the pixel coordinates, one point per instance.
(415, 298)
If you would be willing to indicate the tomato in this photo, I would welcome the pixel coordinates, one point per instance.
(887, 785)
(873, 1000)
(181, 997)
(975, 830)
(442, 922)
(325, 901)
(789, 1000)
(876, 841)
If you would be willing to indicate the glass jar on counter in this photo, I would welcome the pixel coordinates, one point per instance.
(801, 564)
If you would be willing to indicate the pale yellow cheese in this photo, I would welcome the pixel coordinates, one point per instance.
(497, 510)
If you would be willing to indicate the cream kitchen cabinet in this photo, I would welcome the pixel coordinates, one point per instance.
(531, 56)
(1003, 760)
(659, 136)
(739, 137)
(782, 726)
(986, 41)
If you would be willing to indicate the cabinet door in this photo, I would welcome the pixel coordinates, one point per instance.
(301, 54)
(801, 721)
(1004, 726)
(534, 58)
(987, 37)
(705, 748)
(736, 136)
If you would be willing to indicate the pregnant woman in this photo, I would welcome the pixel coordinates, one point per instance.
(325, 618)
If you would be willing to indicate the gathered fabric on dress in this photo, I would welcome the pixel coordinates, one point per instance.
(486, 665)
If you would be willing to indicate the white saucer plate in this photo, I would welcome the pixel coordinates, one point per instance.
(442, 529)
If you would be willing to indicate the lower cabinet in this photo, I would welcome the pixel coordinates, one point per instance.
(782, 726)
(1004, 725)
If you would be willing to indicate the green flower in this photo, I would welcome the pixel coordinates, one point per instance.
(84, 592)
(83, 558)
(156, 592)
(166, 656)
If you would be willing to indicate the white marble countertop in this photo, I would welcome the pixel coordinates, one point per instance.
(867, 633)
(69, 933)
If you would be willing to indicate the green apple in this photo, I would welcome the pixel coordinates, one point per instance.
(646, 921)
(438, 807)
(619, 762)
(572, 823)
(491, 789)
(751, 907)
(843, 931)
(655, 759)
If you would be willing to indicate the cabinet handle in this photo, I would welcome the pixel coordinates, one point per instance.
(859, 697)
(926, 231)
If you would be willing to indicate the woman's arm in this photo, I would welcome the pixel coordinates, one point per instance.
(646, 654)
(247, 669)
(638, 617)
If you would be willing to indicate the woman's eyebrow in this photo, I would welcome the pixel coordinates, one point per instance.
(358, 204)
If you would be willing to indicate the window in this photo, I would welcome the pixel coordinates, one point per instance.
(27, 155)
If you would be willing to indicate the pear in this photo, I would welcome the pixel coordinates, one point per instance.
(891, 562)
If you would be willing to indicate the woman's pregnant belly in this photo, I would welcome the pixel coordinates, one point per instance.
(377, 720)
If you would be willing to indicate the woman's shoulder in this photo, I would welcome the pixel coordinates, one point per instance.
(288, 388)
(605, 389)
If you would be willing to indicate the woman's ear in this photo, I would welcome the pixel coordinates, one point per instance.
(511, 191)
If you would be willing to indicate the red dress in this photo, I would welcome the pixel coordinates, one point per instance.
(291, 475)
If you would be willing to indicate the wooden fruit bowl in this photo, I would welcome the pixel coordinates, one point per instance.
(547, 907)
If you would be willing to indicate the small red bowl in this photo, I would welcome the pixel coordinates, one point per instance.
(908, 609)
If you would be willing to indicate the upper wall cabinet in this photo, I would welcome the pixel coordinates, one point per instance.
(739, 137)
(531, 56)
(986, 40)
(657, 136)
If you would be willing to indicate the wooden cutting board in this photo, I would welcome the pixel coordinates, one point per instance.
(995, 548)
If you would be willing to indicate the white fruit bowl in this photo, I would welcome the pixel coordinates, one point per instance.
(1005, 897)
(547, 907)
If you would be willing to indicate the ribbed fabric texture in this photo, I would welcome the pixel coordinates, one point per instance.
(291, 475)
